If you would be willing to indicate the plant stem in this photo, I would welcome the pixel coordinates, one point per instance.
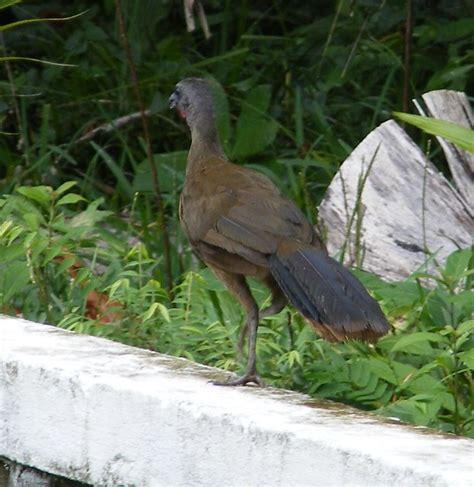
(146, 135)
(407, 74)
(21, 145)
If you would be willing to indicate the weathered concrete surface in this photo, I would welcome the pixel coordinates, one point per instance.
(104, 413)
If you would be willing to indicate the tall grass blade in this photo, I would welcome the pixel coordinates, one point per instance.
(461, 136)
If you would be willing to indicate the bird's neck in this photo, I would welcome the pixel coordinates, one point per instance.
(205, 145)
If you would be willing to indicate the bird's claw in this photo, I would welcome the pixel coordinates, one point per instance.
(242, 381)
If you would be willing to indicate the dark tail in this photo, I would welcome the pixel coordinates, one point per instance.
(331, 299)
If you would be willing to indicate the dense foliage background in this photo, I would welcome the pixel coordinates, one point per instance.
(298, 85)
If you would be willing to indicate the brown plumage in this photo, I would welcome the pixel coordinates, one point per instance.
(241, 225)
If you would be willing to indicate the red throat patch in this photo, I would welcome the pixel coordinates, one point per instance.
(181, 114)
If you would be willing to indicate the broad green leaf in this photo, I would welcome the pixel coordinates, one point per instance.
(82, 274)
(90, 216)
(441, 307)
(403, 371)
(65, 265)
(461, 136)
(467, 358)
(466, 327)
(30, 239)
(332, 390)
(360, 374)
(161, 308)
(164, 312)
(399, 296)
(12, 252)
(380, 394)
(369, 392)
(458, 262)
(14, 233)
(294, 356)
(210, 280)
(64, 187)
(456, 29)
(13, 279)
(38, 246)
(32, 220)
(120, 284)
(255, 130)
(40, 194)
(413, 338)
(192, 329)
(53, 252)
(171, 168)
(464, 302)
(459, 343)
(149, 312)
(404, 409)
(421, 380)
(123, 183)
(452, 74)
(221, 106)
(382, 370)
(70, 199)
(6, 227)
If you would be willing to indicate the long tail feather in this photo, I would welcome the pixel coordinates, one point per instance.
(331, 299)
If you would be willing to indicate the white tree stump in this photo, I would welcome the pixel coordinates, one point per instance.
(389, 211)
(453, 106)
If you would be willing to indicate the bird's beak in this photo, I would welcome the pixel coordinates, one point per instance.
(173, 101)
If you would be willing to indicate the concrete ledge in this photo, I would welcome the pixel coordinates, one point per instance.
(96, 411)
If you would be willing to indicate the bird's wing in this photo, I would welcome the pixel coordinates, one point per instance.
(252, 216)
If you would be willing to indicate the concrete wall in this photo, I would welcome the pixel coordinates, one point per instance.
(93, 410)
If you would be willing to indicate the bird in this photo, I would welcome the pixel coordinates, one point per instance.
(241, 225)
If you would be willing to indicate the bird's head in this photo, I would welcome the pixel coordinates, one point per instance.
(192, 99)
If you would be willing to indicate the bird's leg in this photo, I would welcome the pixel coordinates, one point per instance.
(241, 342)
(277, 304)
(251, 324)
(237, 285)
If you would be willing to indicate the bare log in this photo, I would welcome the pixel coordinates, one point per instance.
(113, 125)
(389, 211)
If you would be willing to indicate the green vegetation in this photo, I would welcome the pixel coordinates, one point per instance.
(452, 132)
(298, 86)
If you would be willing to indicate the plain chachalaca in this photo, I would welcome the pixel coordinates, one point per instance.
(240, 225)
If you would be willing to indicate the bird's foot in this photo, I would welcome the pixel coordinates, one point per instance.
(252, 378)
